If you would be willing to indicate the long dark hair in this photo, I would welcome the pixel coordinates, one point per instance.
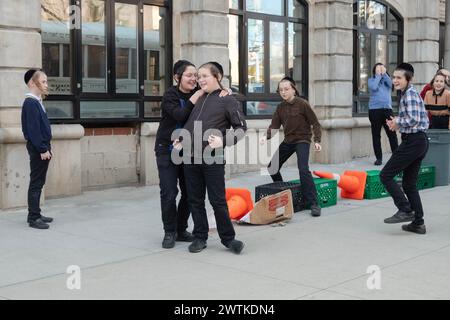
(179, 68)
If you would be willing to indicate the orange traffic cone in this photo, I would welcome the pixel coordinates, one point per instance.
(239, 202)
(352, 183)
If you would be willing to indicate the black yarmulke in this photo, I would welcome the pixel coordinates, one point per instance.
(218, 66)
(406, 66)
(28, 75)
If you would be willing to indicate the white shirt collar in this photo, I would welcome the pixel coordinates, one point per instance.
(30, 95)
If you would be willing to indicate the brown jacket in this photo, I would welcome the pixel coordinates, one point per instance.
(438, 104)
(297, 118)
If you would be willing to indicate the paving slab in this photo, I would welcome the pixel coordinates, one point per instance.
(115, 236)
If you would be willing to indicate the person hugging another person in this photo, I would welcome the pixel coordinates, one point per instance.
(211, 117)
(177, 104)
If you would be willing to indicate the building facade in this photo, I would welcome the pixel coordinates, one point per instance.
(110, 61)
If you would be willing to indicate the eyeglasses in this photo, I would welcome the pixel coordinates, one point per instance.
(190, 75)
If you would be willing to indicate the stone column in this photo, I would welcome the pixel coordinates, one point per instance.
(148, 169)
(423, 39)
(331, 76)
(20, 49)
(203, 29)
(447, 35)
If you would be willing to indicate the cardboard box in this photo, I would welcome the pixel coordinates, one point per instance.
(273, 208)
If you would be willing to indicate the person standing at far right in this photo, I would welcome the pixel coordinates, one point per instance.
(380, 110)
(437, 102)
(412, 122)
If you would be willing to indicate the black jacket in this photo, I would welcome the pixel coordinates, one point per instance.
(176, 108)
(217, 113)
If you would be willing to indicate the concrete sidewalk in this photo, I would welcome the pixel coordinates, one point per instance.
(115, 236)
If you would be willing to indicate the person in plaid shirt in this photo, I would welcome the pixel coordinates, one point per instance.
(412, 122)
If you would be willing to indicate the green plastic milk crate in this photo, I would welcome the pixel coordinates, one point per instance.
(326, 191)
(374, 188)
(426, 178)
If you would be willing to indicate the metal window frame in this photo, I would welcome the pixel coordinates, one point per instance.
(357, 29)
(244, 16)
(76, 56)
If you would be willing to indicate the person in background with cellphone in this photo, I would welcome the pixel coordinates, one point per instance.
(380, 110)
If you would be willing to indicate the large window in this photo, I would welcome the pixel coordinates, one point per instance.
(378, 37)
(268, 40)
(106, 59)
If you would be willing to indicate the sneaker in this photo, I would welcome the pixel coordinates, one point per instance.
(399, 217)
(315, 210)
(378, 162)
(46, 219)
(197, 245)
(169, 240)
(38, 224)
(419, 229)
(236, 246)
(185, 236)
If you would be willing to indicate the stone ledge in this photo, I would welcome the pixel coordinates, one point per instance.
(352, 123)
(149, 129)
(59, 132)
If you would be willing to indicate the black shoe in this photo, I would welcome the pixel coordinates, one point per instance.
(236, 246)
(185, 236)
(46, 219)
(399, 217)
(38, 224)
(378, 162)
(315, 210)
(169, 240)
(419, 229)
(197, 245)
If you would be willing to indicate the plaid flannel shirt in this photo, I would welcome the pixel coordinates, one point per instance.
(412, 116)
